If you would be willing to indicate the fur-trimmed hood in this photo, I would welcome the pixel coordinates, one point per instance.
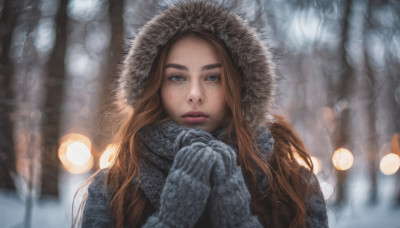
(247, 51)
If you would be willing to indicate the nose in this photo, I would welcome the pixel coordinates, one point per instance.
(196, 93)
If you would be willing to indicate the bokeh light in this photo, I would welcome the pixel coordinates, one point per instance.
(314, 160)
(317, 164)
(107, 157)
(78, 153)
(300, 160)
(389, 164)
(342, 159)
(327, 189)
(75, 153)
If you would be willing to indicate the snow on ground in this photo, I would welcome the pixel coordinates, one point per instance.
(355, 213)
(46, 213)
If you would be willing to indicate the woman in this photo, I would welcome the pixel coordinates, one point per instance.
(201, 148)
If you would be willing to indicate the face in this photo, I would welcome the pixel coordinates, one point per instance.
(191, 89)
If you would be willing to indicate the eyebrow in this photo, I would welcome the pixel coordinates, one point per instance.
(181, 67)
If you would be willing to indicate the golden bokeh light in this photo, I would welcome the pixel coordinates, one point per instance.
(75, 153)
(300, 160)
(342, 159)
(315, 161)
(78, 153)
(317, 164)
(389, 164)
(107, 157)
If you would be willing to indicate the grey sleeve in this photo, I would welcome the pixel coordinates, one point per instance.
(96, 213)
(316, 207)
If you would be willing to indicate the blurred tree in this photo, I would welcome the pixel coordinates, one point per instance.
(343, 91)
(27, 76)
(395, 80)
(105, 118)
(392, 60)
(395, 77)
(54, 88)
(7, 98)
(371, 107)
(344, 88)
(382, 60)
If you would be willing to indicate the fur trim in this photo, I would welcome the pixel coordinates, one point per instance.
(246, 49)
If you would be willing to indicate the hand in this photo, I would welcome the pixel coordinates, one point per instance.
(187, 188)
(190, 136)
(230, 199)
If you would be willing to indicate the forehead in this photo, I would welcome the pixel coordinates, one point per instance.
(192, 49)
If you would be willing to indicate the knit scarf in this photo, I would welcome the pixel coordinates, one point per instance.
(157, 148)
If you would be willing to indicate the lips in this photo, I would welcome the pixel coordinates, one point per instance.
(195, 117)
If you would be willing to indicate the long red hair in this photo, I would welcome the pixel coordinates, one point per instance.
(281, 205)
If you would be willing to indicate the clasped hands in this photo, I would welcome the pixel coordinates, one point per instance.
(204, 175)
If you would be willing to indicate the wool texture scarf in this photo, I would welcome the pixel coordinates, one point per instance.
(158, 151)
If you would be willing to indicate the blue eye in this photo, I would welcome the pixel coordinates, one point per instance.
(214, 78)
(176, 78)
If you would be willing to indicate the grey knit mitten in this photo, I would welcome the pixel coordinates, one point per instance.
(230, 199)
(190, 136)
(184, 196)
